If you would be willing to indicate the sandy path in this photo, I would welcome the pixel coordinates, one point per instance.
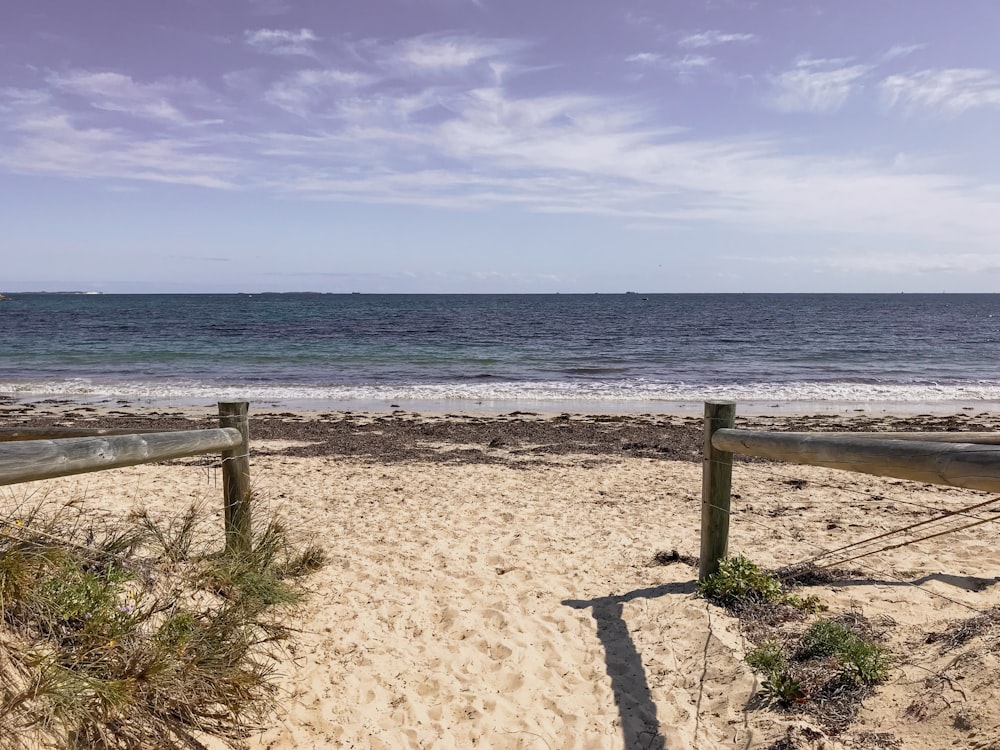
(516, 606)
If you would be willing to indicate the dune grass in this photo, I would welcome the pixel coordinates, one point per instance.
(140, 633)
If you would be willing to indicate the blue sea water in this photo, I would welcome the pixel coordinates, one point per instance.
(604, 352)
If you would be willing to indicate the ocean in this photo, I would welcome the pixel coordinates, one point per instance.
(596, 352)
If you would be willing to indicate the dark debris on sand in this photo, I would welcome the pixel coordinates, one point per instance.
(401, 436)
(463, 438)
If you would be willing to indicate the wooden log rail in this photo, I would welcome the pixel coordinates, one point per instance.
(30, 460)
(31, 454)
(9, 434)
(968, 465)
(979, 438)
(970, 460)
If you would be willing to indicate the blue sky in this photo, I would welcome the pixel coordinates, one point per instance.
(500, 145)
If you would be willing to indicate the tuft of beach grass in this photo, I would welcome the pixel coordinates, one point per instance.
(140, 634)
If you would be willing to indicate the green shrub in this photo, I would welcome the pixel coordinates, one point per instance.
(862, 661)
(825, 671)
(739, 581)
(826, 638)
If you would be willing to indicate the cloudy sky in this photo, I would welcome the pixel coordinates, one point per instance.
(500, 145)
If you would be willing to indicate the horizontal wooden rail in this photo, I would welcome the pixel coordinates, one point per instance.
(979, 438)
(968, 465)
(9, 434)
(958, 459)
(26, 461)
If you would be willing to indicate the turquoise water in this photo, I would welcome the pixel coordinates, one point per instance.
(588, 349)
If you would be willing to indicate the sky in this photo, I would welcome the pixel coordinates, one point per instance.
(500, 145)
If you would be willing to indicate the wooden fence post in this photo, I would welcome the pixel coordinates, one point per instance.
(716, 486)
(236, 479)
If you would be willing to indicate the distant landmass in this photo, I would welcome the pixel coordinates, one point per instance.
(46, 292)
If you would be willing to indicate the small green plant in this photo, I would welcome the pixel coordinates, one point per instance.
(767, 658)
(826, 637)
(739, 581)
(782, 688)
(779, 685)
(826, 670)
(810, 603)
(867, 663)
(862, 661)
(83, 602)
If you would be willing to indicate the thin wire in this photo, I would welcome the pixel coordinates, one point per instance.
(944, 516)
(936, 519)
(864, 493)
(913, 541)
(869, 568)
(945, 513)
(753, 521)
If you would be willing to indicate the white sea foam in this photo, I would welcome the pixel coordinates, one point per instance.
(613, 392)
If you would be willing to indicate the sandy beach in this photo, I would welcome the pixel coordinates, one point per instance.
(529, 580)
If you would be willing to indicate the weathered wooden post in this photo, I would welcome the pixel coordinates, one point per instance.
(236, 479)
(716, 485)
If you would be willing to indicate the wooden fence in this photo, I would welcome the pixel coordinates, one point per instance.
(29, 454)
(960, 459)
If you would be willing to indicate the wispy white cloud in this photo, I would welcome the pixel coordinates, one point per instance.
(689, 65)
(121, 93)
(435, 52)
(712, 38)
(569, 155)
(915, 263)
(645, 58)
(632, 18)
(51, 143)
(819, 86)
(467, 142)
(901, 50)
(883, 262)
(949, 92)
(304, 90)
(519, 278)
(686, 68)
(282, 41)
(13, 98)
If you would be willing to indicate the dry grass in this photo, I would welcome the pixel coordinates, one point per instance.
(139, 634)
(960, 632)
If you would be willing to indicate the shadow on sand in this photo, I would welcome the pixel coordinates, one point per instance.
(964, 582)
(640, 726)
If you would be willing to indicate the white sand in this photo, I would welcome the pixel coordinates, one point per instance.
(489, 606)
